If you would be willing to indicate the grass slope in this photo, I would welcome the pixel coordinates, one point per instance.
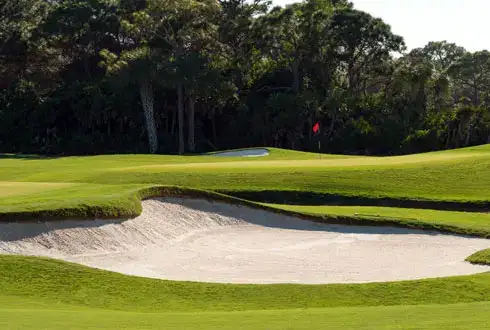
(48, 283)
(44, 293)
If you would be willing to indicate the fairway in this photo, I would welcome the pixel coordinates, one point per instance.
(246, 221)
(436, 317)
(9, 189)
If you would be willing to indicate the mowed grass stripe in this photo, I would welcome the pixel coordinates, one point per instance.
(436, 317)
(8, 189)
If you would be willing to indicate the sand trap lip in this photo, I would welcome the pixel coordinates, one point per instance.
(256, 152)
(198, 240)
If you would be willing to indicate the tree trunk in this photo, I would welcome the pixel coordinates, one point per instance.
(174, 121)
(468, 133)
(191, 129)
(180, 106)
(476, 97)
(350, 77)
(213, 124)
(147, 100)
(448, 140)
(310, 129)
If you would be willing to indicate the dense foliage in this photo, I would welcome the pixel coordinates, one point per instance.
(104, 76)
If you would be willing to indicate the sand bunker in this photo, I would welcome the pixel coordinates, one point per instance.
(258, 152)
(197, 240)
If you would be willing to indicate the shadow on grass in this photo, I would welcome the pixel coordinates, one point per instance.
(26, 157)
(318, 199)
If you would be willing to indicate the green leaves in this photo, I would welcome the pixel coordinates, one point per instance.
(250, 72)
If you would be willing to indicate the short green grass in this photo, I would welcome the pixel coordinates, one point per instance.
(435, 317)
(481, 257)
(462, 175)
(49, 283)
(16, 189)
(461, 222)
(43, 293)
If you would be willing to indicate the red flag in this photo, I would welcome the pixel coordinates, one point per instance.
(316, 128)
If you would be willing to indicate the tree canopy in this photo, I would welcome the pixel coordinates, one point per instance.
(185, 76)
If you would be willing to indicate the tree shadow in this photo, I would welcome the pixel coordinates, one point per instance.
(26, 157)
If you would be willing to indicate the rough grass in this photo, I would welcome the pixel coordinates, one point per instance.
(480, 258)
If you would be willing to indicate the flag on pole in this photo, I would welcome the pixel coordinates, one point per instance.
(316, 128)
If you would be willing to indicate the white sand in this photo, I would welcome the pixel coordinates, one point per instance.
(197, 240)
(257, 152)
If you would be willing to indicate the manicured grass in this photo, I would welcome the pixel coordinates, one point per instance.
(481, 257)
(9, 189)
(413, 177)
(440, 317)
(44, 293)
(76, 200)
(461, 222)
(124, 201)
(462, 175)
(47, 283)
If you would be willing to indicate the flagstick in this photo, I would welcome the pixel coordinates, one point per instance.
(319, 147)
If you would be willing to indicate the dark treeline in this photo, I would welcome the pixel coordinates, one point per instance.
(183, 76)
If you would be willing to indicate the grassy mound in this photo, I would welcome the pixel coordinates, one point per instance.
(44, 293)
(480, 258)
(51, 282)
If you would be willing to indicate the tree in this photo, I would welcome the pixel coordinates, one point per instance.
(214, 74)
(138, 60)
(472, 73)
(362, 44)
(22, 55)
(180, 27)
(441, 56)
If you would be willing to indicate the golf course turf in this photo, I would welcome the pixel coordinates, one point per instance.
(480, 257)
(436, 189)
